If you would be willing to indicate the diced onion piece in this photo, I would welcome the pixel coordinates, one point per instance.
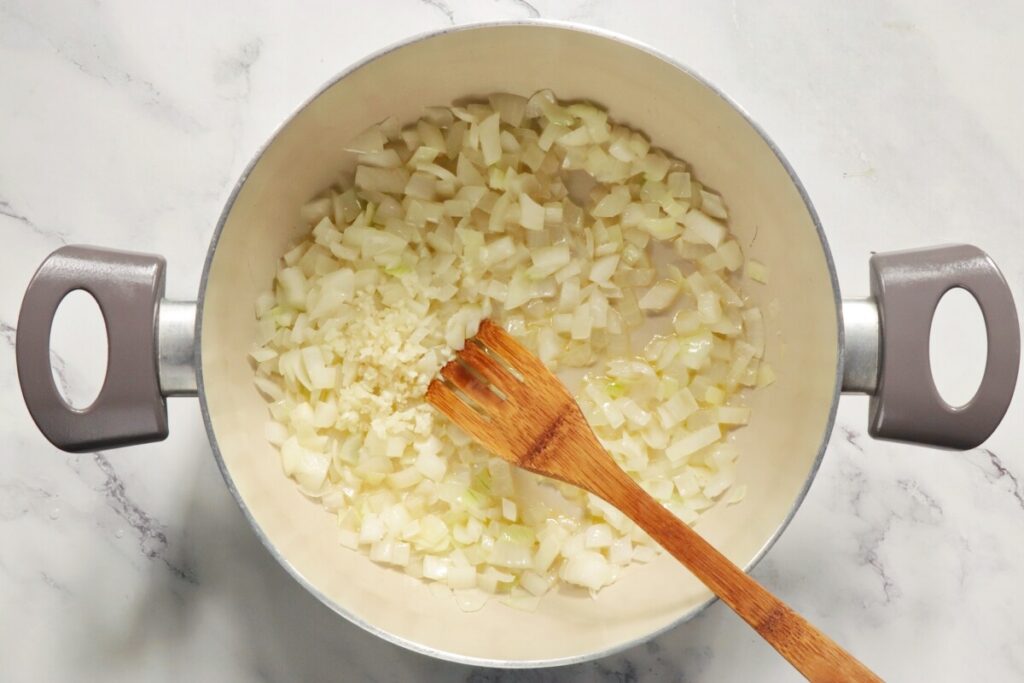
(531, 214)
(521, 599)
(736, 495)
(536, 584)
(733, 415)
(643, 553)
(731, 254)
(588, 568)
(660, 296)
(654, 166)
(509, 510)
(511, 108)
(510, 555)
(708, 307)
(677, 408)
(693, 442)
(582, 323)
(548, 345)
(372, 179)
(701, 227)
(711, 204)
(612, 204)
(436, 568)
(547, 260)
(621, 551)
(765, 375)
(461, 577)
(387, 159)
(369, 141)
(599, 536)
(754, 324)
(757, 271)
(602, 269)
(490, 144)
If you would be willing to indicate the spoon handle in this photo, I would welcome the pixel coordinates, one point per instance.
(810, 651)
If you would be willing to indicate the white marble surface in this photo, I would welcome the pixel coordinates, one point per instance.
(126, 124)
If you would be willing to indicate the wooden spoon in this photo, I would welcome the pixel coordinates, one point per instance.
(536, 424)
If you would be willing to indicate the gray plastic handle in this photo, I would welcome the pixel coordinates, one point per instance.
(888, 354)
(130, 407)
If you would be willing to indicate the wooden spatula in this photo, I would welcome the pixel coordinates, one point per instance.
(536, 424)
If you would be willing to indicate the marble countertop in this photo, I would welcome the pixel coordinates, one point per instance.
(126, 124)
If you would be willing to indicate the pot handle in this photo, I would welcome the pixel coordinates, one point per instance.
(887, 346)
(149, 348)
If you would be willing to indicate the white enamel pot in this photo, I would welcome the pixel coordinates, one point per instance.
(159, 348)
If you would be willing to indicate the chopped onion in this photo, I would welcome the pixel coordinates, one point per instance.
(587, 568)
(471, 213)
(738, 493)
(711, 204)
(531, 214)
(547, 260)
(699, 227)
(757, 271)
(370, 141)
(602, 269)
(490, 143)
(692, 442)
(660, 296)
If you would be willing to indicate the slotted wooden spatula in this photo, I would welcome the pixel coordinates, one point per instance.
(536, 424)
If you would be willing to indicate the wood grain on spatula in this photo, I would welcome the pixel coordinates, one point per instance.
(532, 421)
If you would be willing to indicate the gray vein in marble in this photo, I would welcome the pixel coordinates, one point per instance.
(93, 59)
(517, 676)
(584, 11)
(7, 210)
(443, 7)
(869, 547)
(626, 673)
(921, 508)
(621, 669)
(926, 509)
(888, 587)
(869, 542)
(532, 11)
(669, 665)
(8, 333)
(851, 438)
(1002, 472)
(17, 499)
(57, 365)
(501, 676)
(965, 551)
(239, 68)
(61, 369)
(152, 539)
(55, 584)
(857, 484)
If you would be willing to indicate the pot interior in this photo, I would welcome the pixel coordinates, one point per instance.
(790, 421)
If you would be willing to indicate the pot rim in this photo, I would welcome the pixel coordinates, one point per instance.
(295, 573)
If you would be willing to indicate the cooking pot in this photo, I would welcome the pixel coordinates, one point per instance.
(819, 344)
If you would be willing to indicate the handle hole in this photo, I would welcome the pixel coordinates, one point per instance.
(78, 349)
(958, 347)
